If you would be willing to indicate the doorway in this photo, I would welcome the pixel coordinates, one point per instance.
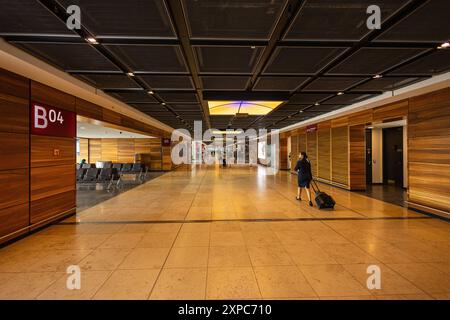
(393, 156)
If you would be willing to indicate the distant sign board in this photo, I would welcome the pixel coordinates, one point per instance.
(51, 121)
(311, 128)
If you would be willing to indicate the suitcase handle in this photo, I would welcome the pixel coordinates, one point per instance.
(314, 186)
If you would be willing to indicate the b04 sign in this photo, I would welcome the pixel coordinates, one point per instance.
(51, 121)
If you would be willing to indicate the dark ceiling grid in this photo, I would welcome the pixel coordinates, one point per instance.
(406, 10)
(179, 20)
(427, 63)
(60, 12)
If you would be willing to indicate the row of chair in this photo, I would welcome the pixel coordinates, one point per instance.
(116, 173)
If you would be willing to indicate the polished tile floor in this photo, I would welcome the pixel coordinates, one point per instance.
(235, 233)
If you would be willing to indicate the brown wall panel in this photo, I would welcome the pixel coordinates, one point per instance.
(14, 187)
(311, 141)
(86, 109)
(14, 150)
(294, 152)
(324, 153)
(95, 150)
(52, 206)
(14, 102)
(125, 150)
(357, 168)
(112, 117)
(109, 150)
(52, 97)
(434, 149)
(340, 156)
(391, 111)
(50, 181)
(13, 219)
(52, 151)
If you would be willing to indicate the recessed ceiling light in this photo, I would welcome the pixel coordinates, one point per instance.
(340, 93)
(444, 45)
(316, 104)
(253, 47)
(92, 40)
(301, 111)
(378, 76)
(131, 74)
(163, 103)
(150, 92)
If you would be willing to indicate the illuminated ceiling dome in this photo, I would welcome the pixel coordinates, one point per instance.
(248, 107)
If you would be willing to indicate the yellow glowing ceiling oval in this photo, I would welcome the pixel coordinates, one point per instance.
(249, 107)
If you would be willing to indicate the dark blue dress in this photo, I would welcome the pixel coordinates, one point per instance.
(303, 168)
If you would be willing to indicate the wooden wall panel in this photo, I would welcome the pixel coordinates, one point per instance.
(14, 102)
(14, 218)
(50, 181)
(156, 154)
(14, 154)
(109, 150)
(142, 146)
(84, 150)
(324, 153)
(125, 150)
(340, 155)
(86, 109)
(95, 150)
(283, 152)
(52, 151)
(52, 97)
(429, 150)
(357, 161)
(362, 117)
(14, 150)
(112, 117)
(301, 143)
(294, 152)
(14, 188)
(391, 111)
(311, 147)
(52, 206)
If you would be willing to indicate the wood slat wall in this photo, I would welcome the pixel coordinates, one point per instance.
(429, 150)
(357, 145)
(14, 150)
(124, 150)
(324, 151)
(311, 146)
(294, 152)
(52, 173)
(339, 155)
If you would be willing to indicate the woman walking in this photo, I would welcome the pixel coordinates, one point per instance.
(303, 169)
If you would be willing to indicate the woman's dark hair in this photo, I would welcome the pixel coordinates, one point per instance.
(303, 153)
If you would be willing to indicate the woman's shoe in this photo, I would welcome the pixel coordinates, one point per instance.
(310, 204)
(299, 199)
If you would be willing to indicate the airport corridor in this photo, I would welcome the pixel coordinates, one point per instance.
(231, 233)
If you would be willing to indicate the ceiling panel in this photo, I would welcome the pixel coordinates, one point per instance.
(109, 81)
(374, 60)
(112, 17)
(134, 96)
(333, 83)
(339, 20)
(279, 83)
(151, 58)
(235, 19)
(29, 16)
(167, 81)
(387, 84)
(429, 23)
(349, 98)
(224, 82)
(227, 59)
(308, 98)
(435, 63)
(69, 56)
(290, 60)
(178, 96)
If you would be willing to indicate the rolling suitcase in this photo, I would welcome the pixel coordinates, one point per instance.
(323, 200)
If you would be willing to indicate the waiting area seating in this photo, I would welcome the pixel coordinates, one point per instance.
(114, 174)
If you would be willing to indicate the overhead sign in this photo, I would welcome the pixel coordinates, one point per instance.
(311, 128)
(51, 121)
